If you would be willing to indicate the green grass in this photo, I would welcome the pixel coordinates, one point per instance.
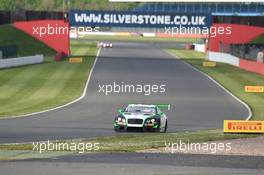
(25, 45)
(128, 143)
(121, 143)
(232, 78)
(43, 86)
(138, 38)
(39, 87)
(57, 5)
(9, 155)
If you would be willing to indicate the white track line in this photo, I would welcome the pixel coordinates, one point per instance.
(67, 104)
(217, 83)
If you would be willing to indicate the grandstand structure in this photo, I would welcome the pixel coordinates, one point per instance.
(241, 13)
(214, 8)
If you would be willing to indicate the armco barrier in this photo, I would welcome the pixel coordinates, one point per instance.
(14, 62)
(149, 34)
(199, 47)
(252, 66)
(82, 34)
(223, 58)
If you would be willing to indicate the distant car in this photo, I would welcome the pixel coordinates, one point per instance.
(105, 44)
(147, 117)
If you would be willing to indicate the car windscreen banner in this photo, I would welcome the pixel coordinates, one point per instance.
(138, 19)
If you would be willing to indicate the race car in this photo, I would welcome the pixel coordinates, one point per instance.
(105, 44)
(147, 117)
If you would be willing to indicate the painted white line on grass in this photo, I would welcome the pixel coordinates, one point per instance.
(217, 83)
(67, 104)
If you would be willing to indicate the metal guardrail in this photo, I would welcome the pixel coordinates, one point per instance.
(20, 61)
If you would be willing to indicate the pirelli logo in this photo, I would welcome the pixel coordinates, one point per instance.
(242, 126)
(209, 64)
(254, 89)
(75, 60)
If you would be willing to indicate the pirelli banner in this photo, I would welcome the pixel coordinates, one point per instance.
(242, 126)
(136, 19)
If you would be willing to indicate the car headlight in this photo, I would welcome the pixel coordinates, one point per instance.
(120, 120)
(152, 121)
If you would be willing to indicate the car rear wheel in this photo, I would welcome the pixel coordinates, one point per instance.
(165, 128)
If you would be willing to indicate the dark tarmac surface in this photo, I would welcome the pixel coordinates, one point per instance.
(196, 101)
(133, 163)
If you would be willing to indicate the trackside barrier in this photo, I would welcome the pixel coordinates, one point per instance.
(189, 46)
(186, 35)
(83, 33)
(149, 34)
(60, 56)
(145, 34)
(252, 66)
(199, 47)
(223, 58)
(20, 61)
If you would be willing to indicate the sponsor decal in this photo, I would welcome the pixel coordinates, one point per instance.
(242, 126)
(138, 19)
(209, 64)
(254, 88)
(75, 60)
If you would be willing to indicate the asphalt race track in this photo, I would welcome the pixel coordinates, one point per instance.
(196, 101)
(138, 164)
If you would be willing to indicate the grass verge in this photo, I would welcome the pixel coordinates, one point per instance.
(120, 143)
(25, 44)
(44, 86)
(232, 78)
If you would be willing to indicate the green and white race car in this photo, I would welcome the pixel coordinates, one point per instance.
(147, 117)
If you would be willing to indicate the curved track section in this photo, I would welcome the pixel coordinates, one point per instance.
(197, 102)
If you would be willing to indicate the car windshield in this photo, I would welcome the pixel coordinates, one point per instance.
(140, 109)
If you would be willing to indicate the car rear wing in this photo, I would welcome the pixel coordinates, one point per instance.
(163, 106)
